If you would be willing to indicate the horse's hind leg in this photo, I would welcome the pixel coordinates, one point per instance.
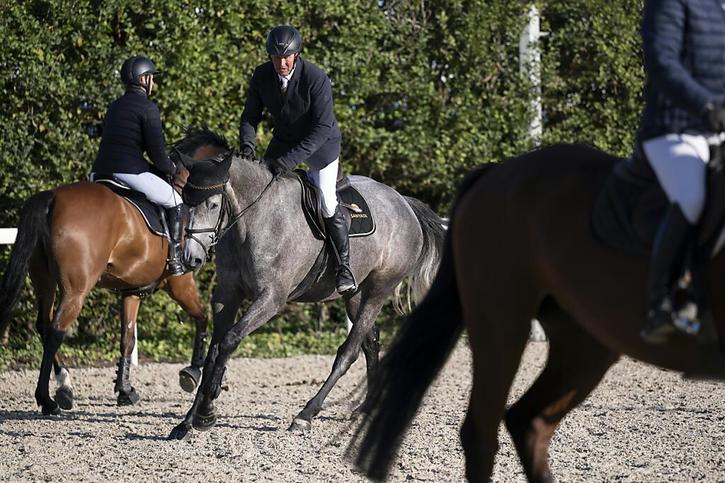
(576, 364)
(183, 290)
(68, 310)
(363, 322)
(45, 285)
(127, 395)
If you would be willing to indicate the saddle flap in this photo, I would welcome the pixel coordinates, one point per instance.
(354, 207)
(629, 208)
(150, 212)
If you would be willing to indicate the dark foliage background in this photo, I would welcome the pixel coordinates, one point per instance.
(424, 90)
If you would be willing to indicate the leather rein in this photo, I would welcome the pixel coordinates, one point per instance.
(219, 230)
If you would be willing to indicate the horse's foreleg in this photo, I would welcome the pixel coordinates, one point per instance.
(183, 290)
(127, 395)
(225, 304)
(261, 310)
(576, 364)
(362, 328)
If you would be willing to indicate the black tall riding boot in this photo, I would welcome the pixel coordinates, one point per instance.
(665, 269)
(174, 216)
(337, 231)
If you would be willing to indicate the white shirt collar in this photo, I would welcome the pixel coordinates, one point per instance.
(288, 76)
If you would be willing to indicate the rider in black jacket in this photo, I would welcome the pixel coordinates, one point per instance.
(684, 58)
(131, 127)
(298, 96)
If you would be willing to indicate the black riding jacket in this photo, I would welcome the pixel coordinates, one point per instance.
(132, 126)
(305, 128)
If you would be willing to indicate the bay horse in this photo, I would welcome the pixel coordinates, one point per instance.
(77, 237)
(266, 250)
(520, 247)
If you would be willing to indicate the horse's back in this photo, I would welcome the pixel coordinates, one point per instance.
(89, 219)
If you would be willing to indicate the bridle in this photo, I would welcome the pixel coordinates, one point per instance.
(225, 212)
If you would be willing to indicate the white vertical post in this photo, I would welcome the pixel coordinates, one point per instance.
(530, 64)
(134, 353)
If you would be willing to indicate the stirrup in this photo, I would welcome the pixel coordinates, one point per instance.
(345, 280)
(174, 267)
(658, 328)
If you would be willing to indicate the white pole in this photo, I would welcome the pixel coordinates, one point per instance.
(134, 353)
(530, 64)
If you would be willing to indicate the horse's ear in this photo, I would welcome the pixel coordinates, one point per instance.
(187, 161)
(227, 161)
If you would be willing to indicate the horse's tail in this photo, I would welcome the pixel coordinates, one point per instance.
(32, 228)
(421, 275)
(420, 348)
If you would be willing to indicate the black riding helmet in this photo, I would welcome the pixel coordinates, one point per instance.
(284, 40)
(134, 67)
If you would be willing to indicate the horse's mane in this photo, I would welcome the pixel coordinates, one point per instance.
(195, 137)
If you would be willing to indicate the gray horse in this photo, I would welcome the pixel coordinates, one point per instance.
(267, 250)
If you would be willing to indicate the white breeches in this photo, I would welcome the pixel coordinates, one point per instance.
(156, 189)
(680, 162)
(326, 180)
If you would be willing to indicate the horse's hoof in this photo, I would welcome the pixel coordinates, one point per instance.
(182, 432)
(50, 409)
(189, 378)
(64, 397)
(300, 426)
(128, 398)
(204, 422)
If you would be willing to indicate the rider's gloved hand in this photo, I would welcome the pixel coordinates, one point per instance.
(248, 152)
(175, 158)
(715, 117)
(277, 166)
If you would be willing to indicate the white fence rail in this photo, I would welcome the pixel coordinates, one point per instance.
(8, 235)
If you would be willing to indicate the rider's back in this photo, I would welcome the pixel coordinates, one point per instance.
(129, 121)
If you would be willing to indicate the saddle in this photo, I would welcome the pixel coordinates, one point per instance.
(628, 210)
(626, 216)
(151, 213)
(354, 207)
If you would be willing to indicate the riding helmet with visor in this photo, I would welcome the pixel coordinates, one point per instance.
(134, 67)
(284, 40)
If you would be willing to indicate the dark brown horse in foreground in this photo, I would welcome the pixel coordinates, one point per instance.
(77, 237)
(520, 247)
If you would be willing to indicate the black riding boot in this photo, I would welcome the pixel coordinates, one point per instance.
(337, 231)
(665, 269)
(175, 219)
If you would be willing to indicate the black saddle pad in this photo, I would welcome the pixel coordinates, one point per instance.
(628, 210)
(149, 211)
(630, 207)
(354, 206)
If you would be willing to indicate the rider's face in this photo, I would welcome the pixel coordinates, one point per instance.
(284, 65)
(147, 80)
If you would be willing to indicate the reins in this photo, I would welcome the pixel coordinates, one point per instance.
(219, 230)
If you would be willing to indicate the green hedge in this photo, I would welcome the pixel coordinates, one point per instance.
(423, 92)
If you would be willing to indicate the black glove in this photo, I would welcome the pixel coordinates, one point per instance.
(715, 117)
(175, 158)
(248, 152)
(277, 166)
